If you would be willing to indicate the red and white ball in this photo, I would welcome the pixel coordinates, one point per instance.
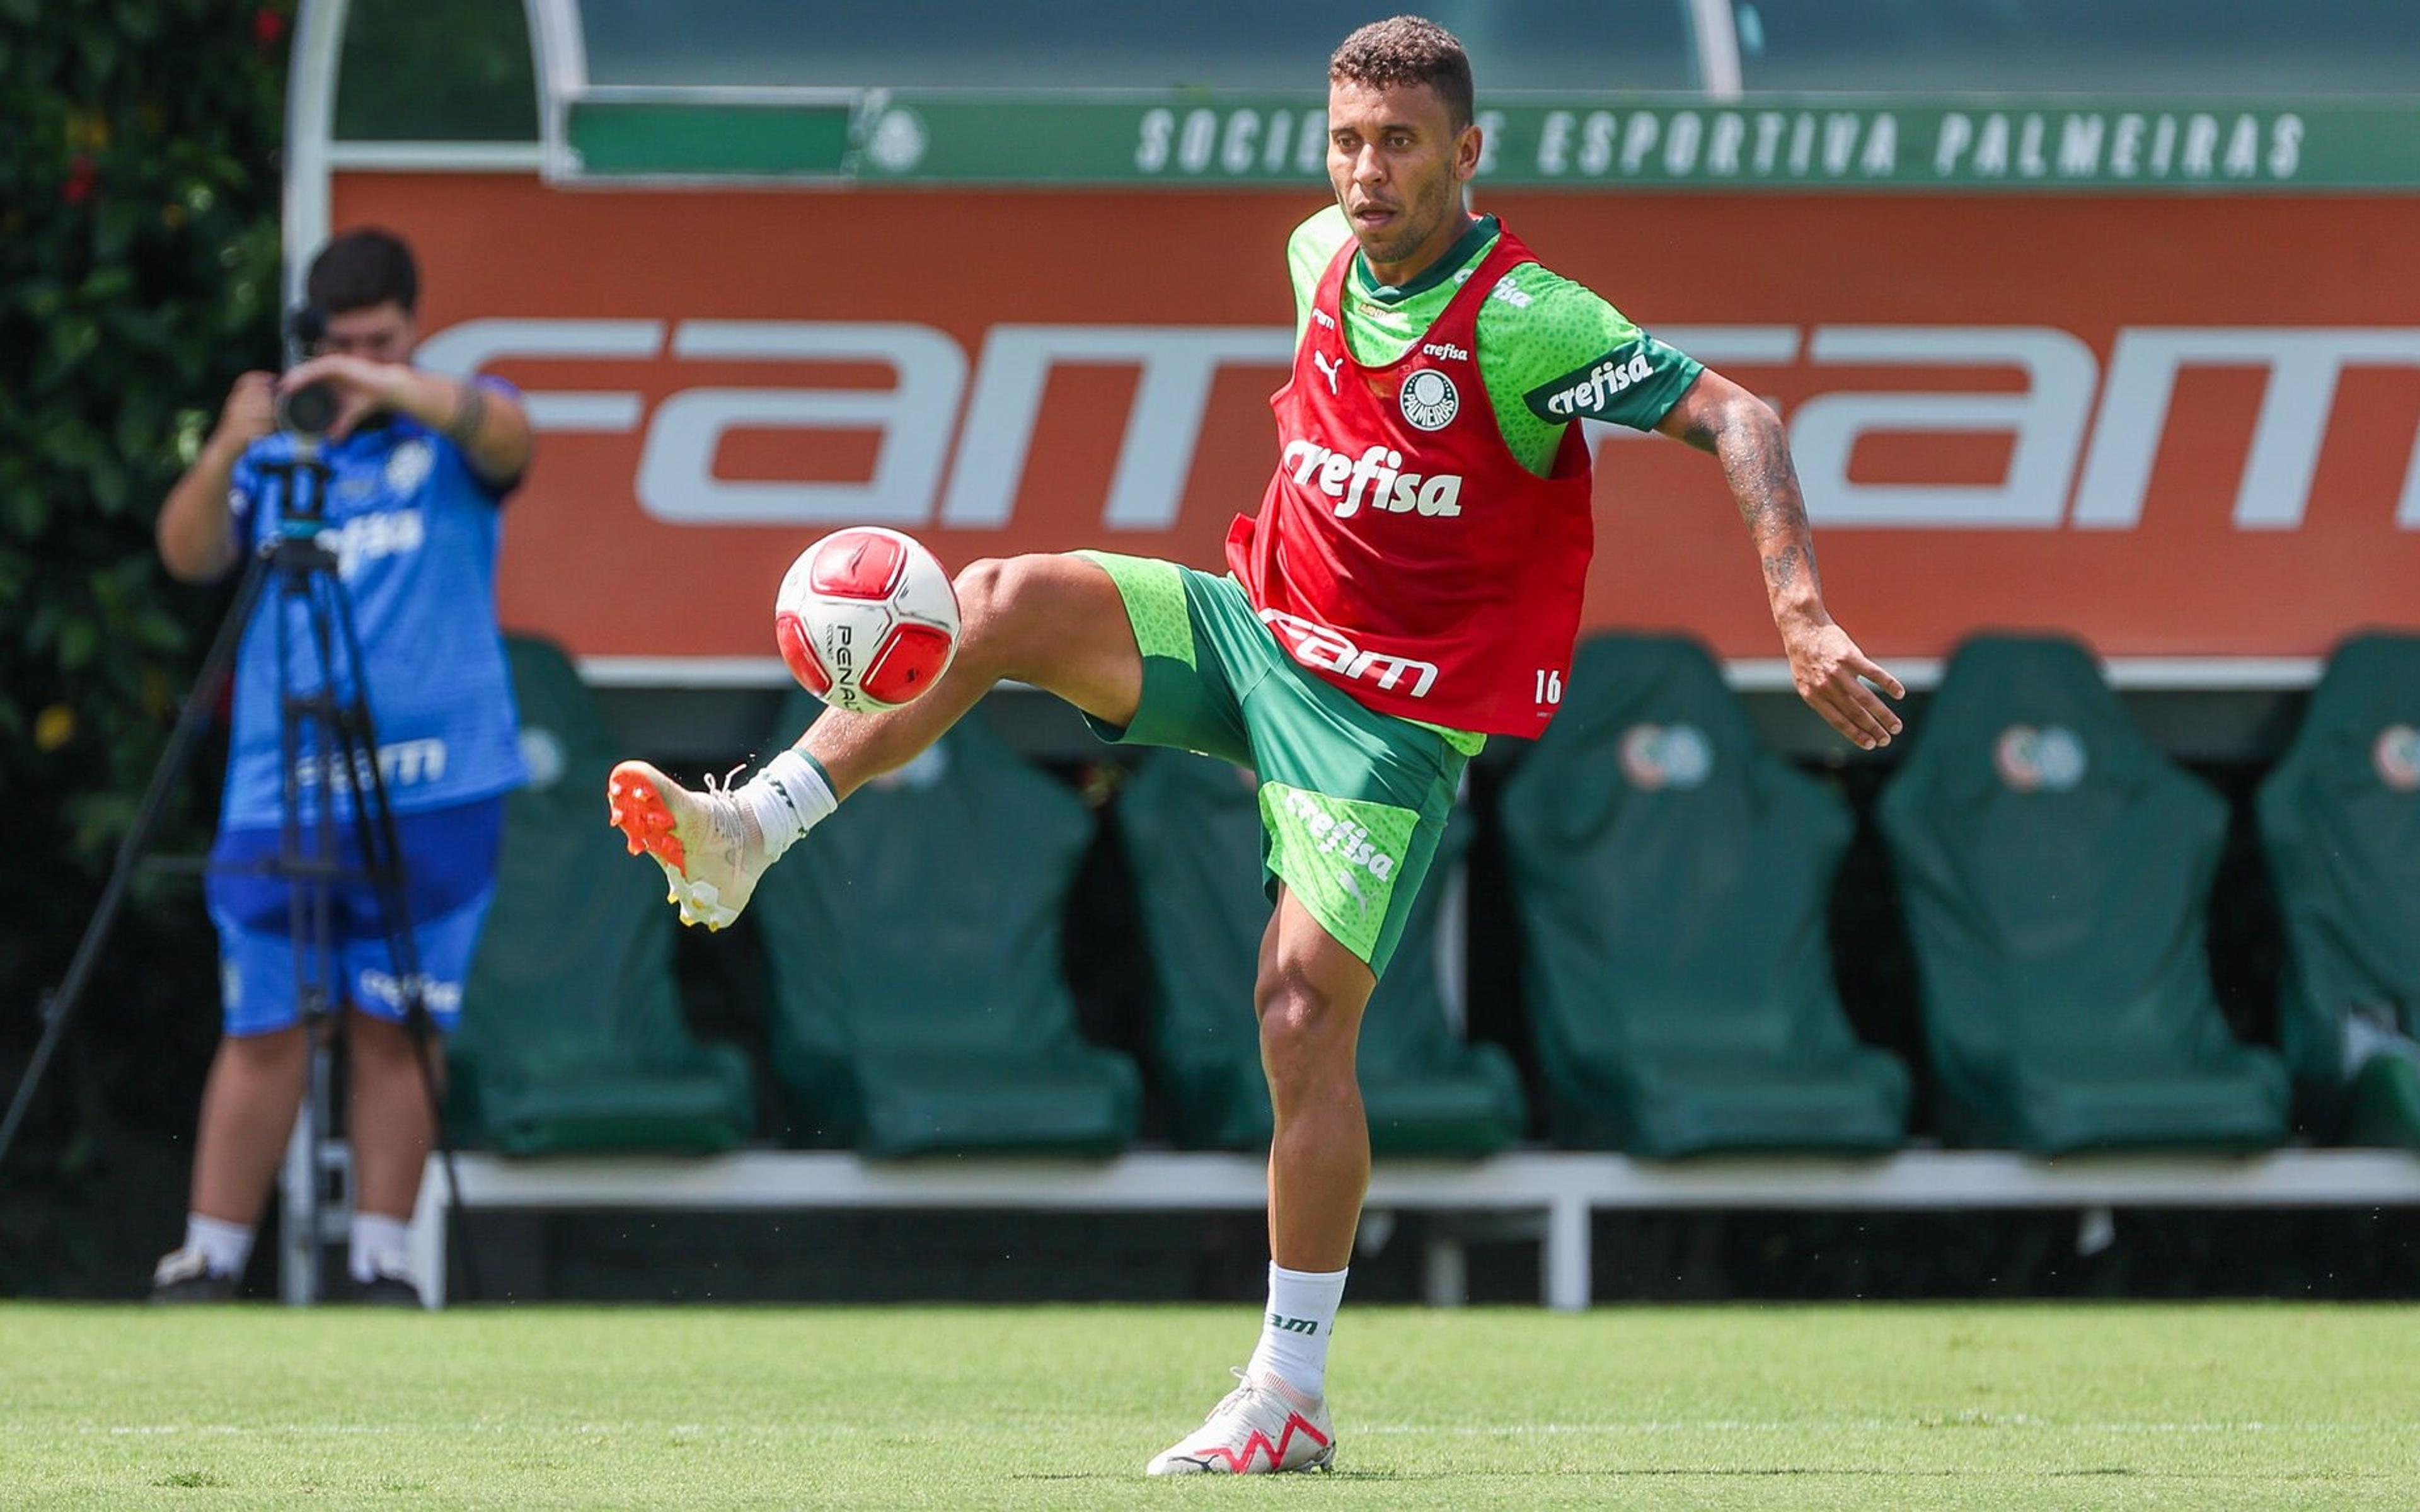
(866, 619)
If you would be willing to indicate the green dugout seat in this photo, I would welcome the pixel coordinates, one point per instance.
(2056, 872)
(1192, 833)
(2340, 821)
(571, 1037)
(919, 1005)
(1672, 879)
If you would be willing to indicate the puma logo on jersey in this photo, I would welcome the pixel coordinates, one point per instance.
(1323, 649)
(1330, 367)
(1604, 381)
(1375, 477)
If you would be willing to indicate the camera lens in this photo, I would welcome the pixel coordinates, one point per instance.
(308, 410)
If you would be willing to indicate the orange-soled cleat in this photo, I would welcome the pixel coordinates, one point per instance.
(707, 843)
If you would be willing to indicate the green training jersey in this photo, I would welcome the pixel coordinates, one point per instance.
(1550, 351)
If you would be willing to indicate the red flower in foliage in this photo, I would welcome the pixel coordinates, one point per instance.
(267, 26)
(81, 175)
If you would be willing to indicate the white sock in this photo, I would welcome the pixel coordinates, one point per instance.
(378, 1237)
(224, 1246)
(790, 796)
(1296, 1328)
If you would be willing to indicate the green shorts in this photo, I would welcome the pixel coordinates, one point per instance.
(1353, 802)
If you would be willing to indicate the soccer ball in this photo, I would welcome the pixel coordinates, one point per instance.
(866, 619)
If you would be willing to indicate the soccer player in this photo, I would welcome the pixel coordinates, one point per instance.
(1411, 585)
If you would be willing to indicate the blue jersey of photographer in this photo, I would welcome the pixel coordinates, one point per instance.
(413, 523)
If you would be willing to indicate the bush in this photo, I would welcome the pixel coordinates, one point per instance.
(139, 192)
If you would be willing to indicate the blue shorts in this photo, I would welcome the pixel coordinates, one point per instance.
(449, 862)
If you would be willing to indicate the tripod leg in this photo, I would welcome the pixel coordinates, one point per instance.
(312, 879)
(60, 1006)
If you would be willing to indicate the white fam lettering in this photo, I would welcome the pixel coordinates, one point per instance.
(1322, 648)
(2083, 437)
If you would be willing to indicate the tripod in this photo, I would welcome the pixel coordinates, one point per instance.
(327, 743)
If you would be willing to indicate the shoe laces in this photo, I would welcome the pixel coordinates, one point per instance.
(734, 821)
(1245, 1388)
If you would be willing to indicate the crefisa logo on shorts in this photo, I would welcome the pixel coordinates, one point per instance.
(2396, 756)
(2047, 760)
(1658, 756)
(1429, 399)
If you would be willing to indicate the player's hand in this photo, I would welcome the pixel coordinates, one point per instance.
(363, 388)
(1831, 674)
(250, 412)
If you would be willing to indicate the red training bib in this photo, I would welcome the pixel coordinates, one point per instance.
(1403, 552)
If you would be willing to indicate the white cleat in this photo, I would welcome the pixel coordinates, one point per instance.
(1264, 1425)
(707, 843)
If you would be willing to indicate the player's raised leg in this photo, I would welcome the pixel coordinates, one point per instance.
(1055, 621)
(1310, 996)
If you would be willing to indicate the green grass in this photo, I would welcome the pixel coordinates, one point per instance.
(1804, 1408)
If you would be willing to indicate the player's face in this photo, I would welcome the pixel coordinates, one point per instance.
(1398, 167)
(383, 333)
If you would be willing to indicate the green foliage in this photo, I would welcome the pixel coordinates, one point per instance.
(139, 249)
(138, 275)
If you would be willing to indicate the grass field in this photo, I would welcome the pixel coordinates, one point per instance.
(1900, 1408)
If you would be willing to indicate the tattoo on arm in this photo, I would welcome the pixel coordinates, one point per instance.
(468, 417)
(1782, 567)
(1756, 460)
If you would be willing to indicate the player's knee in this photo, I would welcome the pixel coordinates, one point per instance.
(1306, 1032)
(987, 592)
(992, 592)
(1003, 604)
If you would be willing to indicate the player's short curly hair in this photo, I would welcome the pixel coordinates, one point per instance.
(1403, 49)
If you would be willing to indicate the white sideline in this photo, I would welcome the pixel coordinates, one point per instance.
(1555, 1191)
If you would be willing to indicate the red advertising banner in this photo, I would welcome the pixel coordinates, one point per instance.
(2175, 426)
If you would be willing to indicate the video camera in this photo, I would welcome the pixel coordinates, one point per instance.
(305, 413)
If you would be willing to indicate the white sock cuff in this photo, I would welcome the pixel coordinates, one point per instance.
(226, 1247)
(788, 798)
(376, 1235)
(1295, 1331)
(1317, 1293)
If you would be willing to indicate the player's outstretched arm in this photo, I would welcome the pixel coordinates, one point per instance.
(1717, 415)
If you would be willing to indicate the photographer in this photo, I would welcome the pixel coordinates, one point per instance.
(418, 465)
